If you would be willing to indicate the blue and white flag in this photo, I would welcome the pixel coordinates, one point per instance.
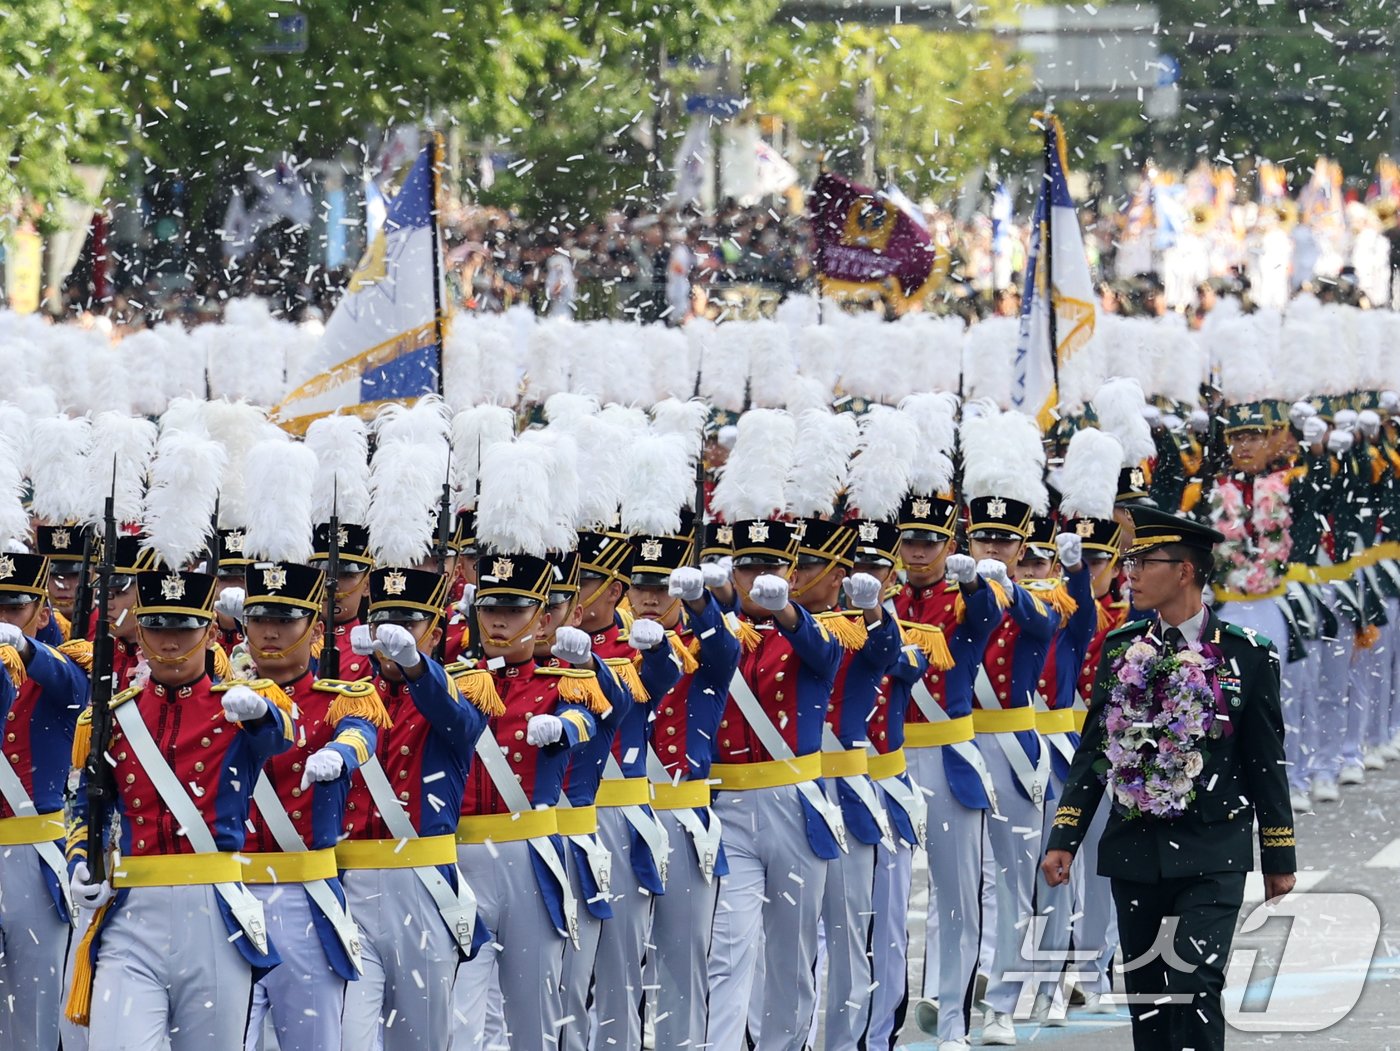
(1060, 283)
(382, 342)
(1001, 236)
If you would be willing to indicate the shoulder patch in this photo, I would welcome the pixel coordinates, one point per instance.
(253, 684)
(1132, 625)
(1249, 635)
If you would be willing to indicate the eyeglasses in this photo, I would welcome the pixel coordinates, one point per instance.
(1131, 565)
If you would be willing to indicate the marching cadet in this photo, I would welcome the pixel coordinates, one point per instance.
(944, 594)
(779, 829)
(231, 571)
(340, 492)
(58, 477)
(1002, 488)
(417, 914)
(1185, 862)
(175, 937)
(510, 846)
(131, 557)
(42, 692)
(299, 802)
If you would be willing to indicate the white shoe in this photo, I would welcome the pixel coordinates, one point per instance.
(1047, 1013)
(1374, 760)
(925, 1013)
(1389, 751)
(1300, 801)
(954, 1045)
(998, 1030)
(1326, 791)
(1095, 1004)
(1352, 774)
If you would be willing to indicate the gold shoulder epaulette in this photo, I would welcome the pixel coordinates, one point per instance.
(851, 634)
(478, 686)
(458, 667)
(79, 651)
(264, 688)
(625, 668)
(344, 687)
(929, 638)
(14, 664)
(579, 686)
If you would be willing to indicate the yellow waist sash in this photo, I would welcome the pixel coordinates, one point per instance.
(177, 870)
(1060, 721)
(845, 764)
(576, 821)
(395, 853)
(740, 777)
(509, 828)
(301, 866)
(33, 828)
(623, 791)
(684, 795)
(891, 764)
(1003, 720)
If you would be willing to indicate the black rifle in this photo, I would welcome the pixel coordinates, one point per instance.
(329, 665)
(82, 598)
(101, 786)
(444, 548)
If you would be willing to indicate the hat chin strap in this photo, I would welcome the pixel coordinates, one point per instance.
(597, 593)
(169, 661)
(797, 593)
(518, 636)
(282, 654)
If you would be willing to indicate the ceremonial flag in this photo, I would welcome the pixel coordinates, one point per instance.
(1001, 236)
(1057, 311)
(867, 244)
(383, 342)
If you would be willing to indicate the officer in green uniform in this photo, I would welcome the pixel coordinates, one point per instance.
(1177, 860)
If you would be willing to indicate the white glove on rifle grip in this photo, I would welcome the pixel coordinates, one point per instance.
(87, 895)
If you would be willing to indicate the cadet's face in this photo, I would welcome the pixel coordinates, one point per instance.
(181, 652)
(467, 565)
(63, 588)
(120, 613)
(649, 602)
(281, 648)
(1102, 568)
(31, 618)
(1007, 551)
(505, 629)
(1249, 450)
(923, 558)
(1029, 568)
(349, 591)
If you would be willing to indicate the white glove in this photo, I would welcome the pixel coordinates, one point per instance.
(770, 592)
(1199, 421)
(1370, 422)
(1300, 412)
(1345, 419)
(992, 569)
(1172, 422)
(863, 590)
(1071, 549)
(10, 635)
(543, 729)
(1314, 430)
(686, 584)
(397, 644)
(719, 572)
(230, 603)
(325, 765)
(88, 895)
(572, 646)
(1390, 401)
(464, 607)
(1152, 415)
(645, 635)
(1339, 443)
(959, 569)
(362, 640)
(242, 705)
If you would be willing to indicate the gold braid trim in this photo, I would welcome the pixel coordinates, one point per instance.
(65, 626)
(79, 1006)
(14, 664)
(82, 738)
(685, 654)
(580, 686)
(479, 686)
(79, 651)
(1107, 618)
(223, 667)
(749, 636)
(931, 642)
(849, 632)
(626, 671)
(998, 592)
(368, 706)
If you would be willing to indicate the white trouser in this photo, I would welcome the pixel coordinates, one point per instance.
(1392, 608)
(682, 921)
(168, 975)
(1333, 694)
(889, 942)
(1054, 906)
(1096, 922)
(617, 976)
(525, 954)
(409, 962)
(1360, 697)
(987, 940)
(303, 996)
(1380, 663)
(954, 923)
(846, 924)
(1298, 691)
(577, 977)
(771, 897)
(34, 940)
(1015, 840)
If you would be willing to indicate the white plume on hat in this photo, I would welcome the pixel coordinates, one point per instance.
(989, 354)
(565, 498)
(237, 426)
(660, 480)
(724, 366)
(15, 425)
(56, 468)
(426, 422)
(1241, 354)
(870, 370)
(184, 490)
(752, 482)
(1003, 456)
(600, 468)
(1299, 363)
(14, 519)
(883, 468)
(474, 431)
(936, 350)
(1179, 361)
(513, 514)
(566, 405)
(279, 518)
(820, 354)
(1088, 481)
(184, 414)
(774, 365)
(341, 485)
(935, 418)
(1118, 404)
(128, 443)
(826, 441)
(405, 481)
(547, 358)
(686, 419)
(674, 368)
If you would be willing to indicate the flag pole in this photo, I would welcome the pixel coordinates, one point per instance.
(1049, 240)
(434, 190)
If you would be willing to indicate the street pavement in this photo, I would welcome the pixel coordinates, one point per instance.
(1338, 940)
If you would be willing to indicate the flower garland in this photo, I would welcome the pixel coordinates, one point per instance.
(1253, 559)
(1162, 707)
